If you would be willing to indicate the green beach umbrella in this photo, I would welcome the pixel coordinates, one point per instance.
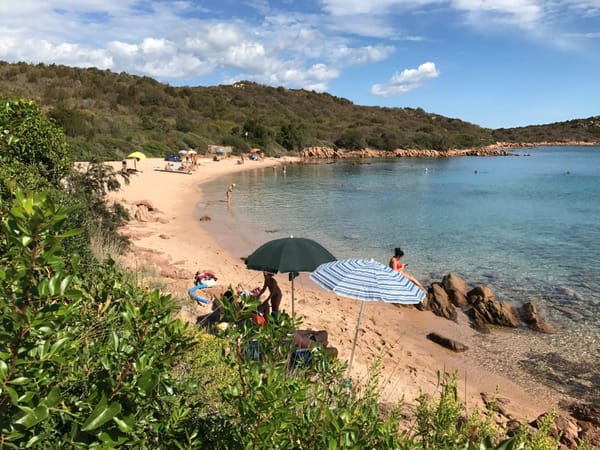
(289, 255)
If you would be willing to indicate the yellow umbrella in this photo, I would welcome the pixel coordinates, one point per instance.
(136, 157)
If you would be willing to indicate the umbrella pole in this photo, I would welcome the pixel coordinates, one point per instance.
(360, 314)
(292, 297)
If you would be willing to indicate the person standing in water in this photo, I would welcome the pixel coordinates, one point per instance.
(229, 192)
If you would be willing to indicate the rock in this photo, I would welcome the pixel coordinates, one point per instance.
(485, 309)
(456, 288)
(513, 427)
(498, 404)
(451, 344)
(437, 301)
(142, 214)
(530, 314)
(586, 412)
(147, 203)
(562, 426)
(164, 236)
(205, 218)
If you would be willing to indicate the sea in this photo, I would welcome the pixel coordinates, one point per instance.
(526, 225)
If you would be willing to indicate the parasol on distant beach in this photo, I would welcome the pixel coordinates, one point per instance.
(366, 280)
(289, 255)
(136, 157)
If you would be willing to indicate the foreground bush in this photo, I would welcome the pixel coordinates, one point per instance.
(84, 359)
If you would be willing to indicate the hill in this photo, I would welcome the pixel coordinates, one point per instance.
(107, 115)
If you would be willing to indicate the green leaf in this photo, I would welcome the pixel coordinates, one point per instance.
(19, 381)
(3, 370)
(33, 416)
(65, 283)
(123, 425)
(101, 414)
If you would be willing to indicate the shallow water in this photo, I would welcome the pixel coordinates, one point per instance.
(527, 226)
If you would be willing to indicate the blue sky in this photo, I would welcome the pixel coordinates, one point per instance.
(495, 63)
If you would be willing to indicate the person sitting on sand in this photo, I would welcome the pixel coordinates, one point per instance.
(397, 264)
(274, 296)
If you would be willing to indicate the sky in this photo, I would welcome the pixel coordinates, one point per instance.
(494, 63)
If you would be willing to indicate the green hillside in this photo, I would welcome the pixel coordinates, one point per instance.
(107, 115)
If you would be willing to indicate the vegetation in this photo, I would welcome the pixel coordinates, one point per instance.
(106, 116)
(91, 359)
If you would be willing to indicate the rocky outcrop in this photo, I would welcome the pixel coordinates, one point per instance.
(144, 211)
(332, 153)
(572, 425)
(497, 149)
(588, 420)
(456, 289)
(479, 303)
(437, 301)
(530, 314)
(563, 427)
(486, 310)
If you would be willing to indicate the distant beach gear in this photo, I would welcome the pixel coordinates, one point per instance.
(220, 151)
(202, 277)
(202, 280)
(255, 150)
(192, 294)
(137, 155)
(173, 158)
(289, 255)
(366, 280)
(192, 152)
(183, 152)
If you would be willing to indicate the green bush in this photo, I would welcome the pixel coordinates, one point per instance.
(85, 359)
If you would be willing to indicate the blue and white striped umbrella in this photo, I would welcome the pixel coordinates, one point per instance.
(366, 280)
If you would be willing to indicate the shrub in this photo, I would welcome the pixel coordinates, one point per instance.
(84, 360)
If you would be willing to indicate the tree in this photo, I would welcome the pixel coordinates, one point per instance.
(28, 137)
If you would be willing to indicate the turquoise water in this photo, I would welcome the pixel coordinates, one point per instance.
(528, 226)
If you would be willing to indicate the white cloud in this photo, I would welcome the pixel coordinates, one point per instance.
(407, 80)
(515, 12)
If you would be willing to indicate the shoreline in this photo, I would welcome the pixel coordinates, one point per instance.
(176, 247)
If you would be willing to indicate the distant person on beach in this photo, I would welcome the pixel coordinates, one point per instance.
(274, 296)
(124, 165)
(397, 264)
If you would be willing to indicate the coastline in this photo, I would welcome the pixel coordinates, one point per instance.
(167, 252)
(497, 149)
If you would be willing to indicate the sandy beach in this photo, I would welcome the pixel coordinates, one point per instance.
(170, 245)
